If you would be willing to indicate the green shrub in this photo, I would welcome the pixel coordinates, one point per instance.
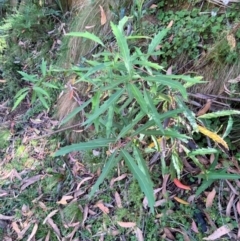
(128, 93)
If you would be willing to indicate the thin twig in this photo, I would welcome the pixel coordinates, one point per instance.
(54, 132)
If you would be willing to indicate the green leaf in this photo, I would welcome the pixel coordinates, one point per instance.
(219, 114)
(229, 127)
(203, 151)
(168, 133)
(151, 123)
(146, 63)
(177, 163)
(123, 47)
(141, 163)
(221, 175)
(43, 101)
(41, 91)
(130, 127)
(20, 92)
(156, 40)
(20, 98)
(206, 184)
(105, 171)
(187, 113)
(169, 83)
(31, 78)
(87, 35)
(49, 85)
(75, 111)
(109, 121)
(114, 97)
(44, 68)
(139, 97)
(154, 113)
(84, 146)
(144, 183)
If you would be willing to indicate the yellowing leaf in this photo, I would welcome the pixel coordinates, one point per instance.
(215, 137)
(181, 201)
(153, 144)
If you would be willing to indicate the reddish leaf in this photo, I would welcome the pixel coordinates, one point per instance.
(180, 185)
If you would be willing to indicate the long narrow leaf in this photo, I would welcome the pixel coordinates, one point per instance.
(19, 99)
(86, 35)
(144, 183)
(109, 121)
(129, 127)
(141, 163)
(156, 117)
(156, 40)
(106, 169)
(168, 82)
(139, 97)
(41, 91)
(220, 114)
(123, 46)
(187, 113)
(74, 112)
(104, 107)
(83, 146)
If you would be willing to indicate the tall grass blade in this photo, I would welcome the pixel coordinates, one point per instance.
(122, 44)
(84, 146)
(113, 160)
(114, 97)
(87, 35)
(144, 183)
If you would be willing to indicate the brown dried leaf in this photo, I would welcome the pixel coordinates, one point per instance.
(47, 238)
(210, 197)
(118, 200)
(194, 227)
(126, 224)
(12, 174)
(170, 24)
(169, 70)
(205, 108)
(168, 233)
(64, 200)
(117, 179)
(42, 206)
(54, 227)
(26, 183)
(84, 180)
(89, 27)
(101, 206)
(145, 201)
(139, 234)
(103, 16)
(225, 229)
(50, 215)
(153, 6)
(238, 207)
(35, 228)
(16, 228)
(229, 205)
(85, 214)
(164, 185)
